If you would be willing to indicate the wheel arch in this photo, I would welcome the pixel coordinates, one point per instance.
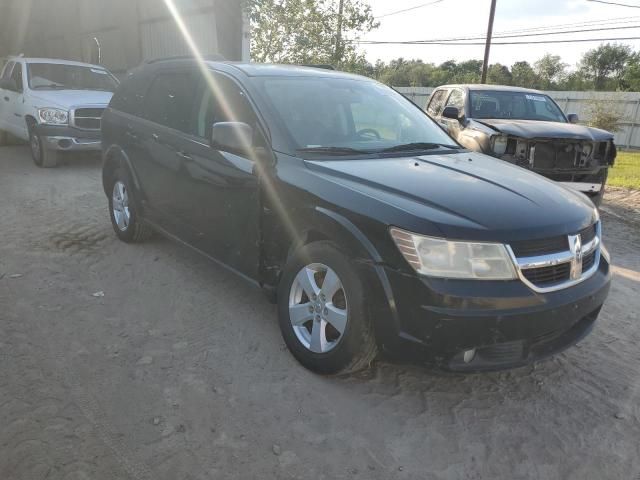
(115, 157)
(323, 224)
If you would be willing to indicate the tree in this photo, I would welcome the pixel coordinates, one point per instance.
(308, 31)
(606, 63)
(550, 70)
(631, 76)
(523, 75)
(498, 74)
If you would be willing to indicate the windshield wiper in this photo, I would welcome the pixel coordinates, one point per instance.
(333, 151)
(416, 146)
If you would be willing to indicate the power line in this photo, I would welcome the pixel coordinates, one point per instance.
(536, 34)
(614, 3)
(408, 9)
(613, 21)
(575, 40)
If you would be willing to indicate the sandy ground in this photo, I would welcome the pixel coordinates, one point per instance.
(179, 370)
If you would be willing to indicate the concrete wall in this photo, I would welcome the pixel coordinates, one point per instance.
(626, 104)
(128, 31)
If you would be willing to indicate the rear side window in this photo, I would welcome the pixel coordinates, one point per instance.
(169, 101)
(129, 97)
(437, 103)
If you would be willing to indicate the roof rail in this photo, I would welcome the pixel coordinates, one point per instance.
(214, 57)
(323, 67)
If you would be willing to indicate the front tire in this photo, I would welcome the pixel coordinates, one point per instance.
(43, 157)
(323, 311)
(123, 210)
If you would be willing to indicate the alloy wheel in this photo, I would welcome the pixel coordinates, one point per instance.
(318, 308)
(120, 206)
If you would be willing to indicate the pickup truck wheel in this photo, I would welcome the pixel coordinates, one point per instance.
(42, 157)
(323, 311)
(123, 211)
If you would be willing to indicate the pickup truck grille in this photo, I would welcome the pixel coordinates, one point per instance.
(88, 118)
(550, 264)
(562, 155)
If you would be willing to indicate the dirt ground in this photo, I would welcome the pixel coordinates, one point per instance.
(179, 370)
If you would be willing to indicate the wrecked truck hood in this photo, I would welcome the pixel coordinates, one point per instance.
(531, 129)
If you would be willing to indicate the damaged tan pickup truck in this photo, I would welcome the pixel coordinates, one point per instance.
(527, 128)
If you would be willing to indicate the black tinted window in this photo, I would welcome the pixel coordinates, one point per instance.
(169, 101)
(129, 96)
(222, 101)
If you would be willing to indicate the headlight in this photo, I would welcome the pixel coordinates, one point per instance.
(53, 116)
(499, 144)
(437, 257)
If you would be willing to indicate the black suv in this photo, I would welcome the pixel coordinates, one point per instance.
(371, 226)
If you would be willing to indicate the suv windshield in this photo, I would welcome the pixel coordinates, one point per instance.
(53, 76)
(337, 116)
(514, 105)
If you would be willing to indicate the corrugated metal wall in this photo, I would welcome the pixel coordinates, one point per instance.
(128, 31)
(163, 38)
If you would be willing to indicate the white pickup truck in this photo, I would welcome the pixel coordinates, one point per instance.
(55, 105)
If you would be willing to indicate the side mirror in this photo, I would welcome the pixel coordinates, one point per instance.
(451, 112)
(233, 136)
(573, 118)
(9, 84)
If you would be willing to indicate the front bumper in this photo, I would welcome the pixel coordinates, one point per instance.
(498, 324)
(69, 139)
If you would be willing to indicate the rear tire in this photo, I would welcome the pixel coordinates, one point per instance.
(43, 157)
(331, 332)
(124, 211)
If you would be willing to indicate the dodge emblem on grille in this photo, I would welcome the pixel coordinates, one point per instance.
(575, 244)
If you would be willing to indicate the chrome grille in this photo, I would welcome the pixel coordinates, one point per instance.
(574, 260)
(87, 118)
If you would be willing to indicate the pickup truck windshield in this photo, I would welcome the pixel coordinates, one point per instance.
(53, 76)
(514, 105)
(337, 116)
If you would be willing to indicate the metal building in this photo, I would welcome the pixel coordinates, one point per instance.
(120, 34)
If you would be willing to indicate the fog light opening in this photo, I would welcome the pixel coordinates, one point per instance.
(64, 143)
(469, 355)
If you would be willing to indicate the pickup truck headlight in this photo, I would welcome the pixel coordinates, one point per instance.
(499, 144)
(53, 116)
(437, 257)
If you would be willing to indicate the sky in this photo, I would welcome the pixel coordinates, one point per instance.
(463, 18)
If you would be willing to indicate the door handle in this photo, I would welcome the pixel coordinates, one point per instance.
(155, 136)
(184, 156)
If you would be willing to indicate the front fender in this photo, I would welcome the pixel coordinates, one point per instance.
(114, 157)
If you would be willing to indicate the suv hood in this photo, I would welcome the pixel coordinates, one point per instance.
(465, 195)
(70, 98)
(531, 129)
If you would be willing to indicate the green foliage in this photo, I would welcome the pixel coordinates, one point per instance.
(605, 114)
(523, 75)
(626, 171)
(550, 70)
(605, 65)
(305, 31)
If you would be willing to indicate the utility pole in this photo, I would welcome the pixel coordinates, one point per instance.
(487, 48)
(338, 52)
